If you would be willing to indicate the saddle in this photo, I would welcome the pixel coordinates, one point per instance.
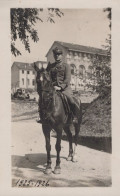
(65, 102)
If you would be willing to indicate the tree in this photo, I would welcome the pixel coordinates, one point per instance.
(22, 25)
(102, 66)
(108, 40)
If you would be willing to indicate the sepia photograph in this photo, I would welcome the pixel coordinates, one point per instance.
(61, 134)
(60, 97)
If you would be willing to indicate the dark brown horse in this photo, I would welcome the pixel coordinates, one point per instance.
(54, 116)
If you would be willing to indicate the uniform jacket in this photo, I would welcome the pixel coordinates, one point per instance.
(61, 76)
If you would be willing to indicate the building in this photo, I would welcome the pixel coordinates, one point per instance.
(23, 75)
(80, 58)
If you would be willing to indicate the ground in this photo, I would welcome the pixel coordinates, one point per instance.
(29, 159)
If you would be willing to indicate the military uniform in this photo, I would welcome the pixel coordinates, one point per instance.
(61, 75)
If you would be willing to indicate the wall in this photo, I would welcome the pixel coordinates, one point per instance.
(14, 78)
(27, 76)
(78, 59)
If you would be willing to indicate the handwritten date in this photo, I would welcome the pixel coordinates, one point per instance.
(32, 183)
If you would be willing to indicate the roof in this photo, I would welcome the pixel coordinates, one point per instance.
(26, 66)
(81, 48)
(21, 65)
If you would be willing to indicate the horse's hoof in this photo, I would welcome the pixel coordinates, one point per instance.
(74, 159)
(48, 171)
(69, 158)
(57, 170)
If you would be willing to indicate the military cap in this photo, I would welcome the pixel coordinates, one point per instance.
(57, 51)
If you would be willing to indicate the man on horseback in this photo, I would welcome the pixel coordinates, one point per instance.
(60, 73)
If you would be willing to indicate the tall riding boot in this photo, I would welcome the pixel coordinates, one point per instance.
(75, 112)
(74, 109)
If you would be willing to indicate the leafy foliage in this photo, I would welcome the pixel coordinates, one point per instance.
(109, 15)
(22, 25)
(102, 66)
(102, 73)
(108, 40)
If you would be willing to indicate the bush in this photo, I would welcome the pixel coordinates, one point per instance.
(104, 91)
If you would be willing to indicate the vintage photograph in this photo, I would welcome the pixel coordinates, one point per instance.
(61, 133)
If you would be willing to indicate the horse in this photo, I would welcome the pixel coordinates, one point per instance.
(54, 117)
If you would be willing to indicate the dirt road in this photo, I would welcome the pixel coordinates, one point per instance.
(29, 159)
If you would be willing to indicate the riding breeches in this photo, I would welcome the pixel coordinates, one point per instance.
(74, 107)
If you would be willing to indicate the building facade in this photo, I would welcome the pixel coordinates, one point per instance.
(23, 75)
(80, 58)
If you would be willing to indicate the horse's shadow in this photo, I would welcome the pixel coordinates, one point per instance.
(31, 161)
(98, 143)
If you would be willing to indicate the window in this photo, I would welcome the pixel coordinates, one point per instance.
(28, 72)
(75, 56)
(33, 72)
(72, 69)
(22, 81)
(90, 72)
(22, 71)
(28, 82)
(81, 71)
(33, 82)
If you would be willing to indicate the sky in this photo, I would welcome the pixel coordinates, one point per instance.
(88, 27)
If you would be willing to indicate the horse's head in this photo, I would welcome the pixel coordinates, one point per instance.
(43, 79)
(45, 88)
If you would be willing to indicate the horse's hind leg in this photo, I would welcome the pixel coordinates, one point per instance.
(46, 131)
(67, 130)
(57, 169)
(77, 130)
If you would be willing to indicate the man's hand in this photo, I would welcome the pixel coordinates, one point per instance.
(57, 88)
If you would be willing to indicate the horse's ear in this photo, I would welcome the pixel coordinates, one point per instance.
(35, 67)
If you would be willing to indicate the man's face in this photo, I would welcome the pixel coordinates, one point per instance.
(58, 57)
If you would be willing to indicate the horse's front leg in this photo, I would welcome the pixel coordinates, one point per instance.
(46, 131)
(57, 169)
